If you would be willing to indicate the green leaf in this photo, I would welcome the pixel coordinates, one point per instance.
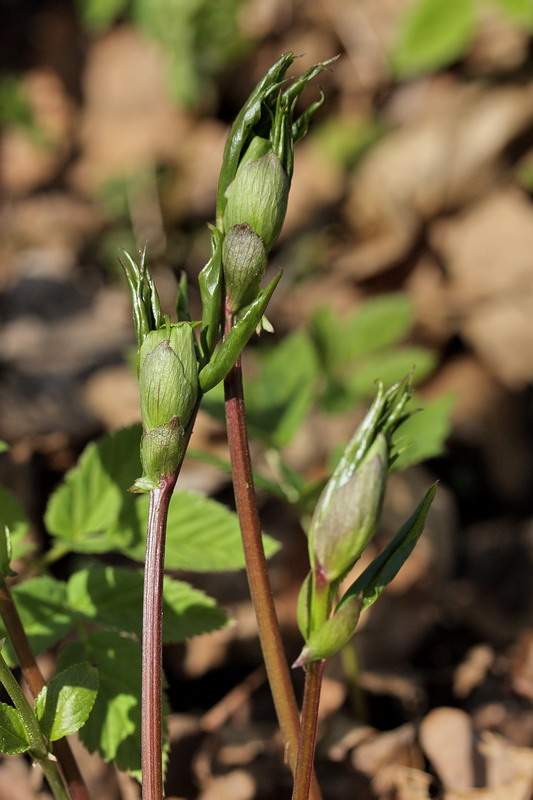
(98, 15)
(202, 535)
(279, 397)
(112, 597)
(41, 603)
(85, 506)
(427, 430)
(114, 726)
(379, 322)
(210, 283)
(237, 339)
(12, 515)
(5, 554)
(13, 736)
(386, 566)
(4, 447)
(63, 706)
(389, 366)
(434, 34)
(519, 11)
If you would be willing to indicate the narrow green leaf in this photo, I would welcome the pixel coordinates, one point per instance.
(434, 34)
(84, 507)
(237, 339)
(386, 566)
(112, 597)
(13, 736)
(41, 603)
(63, 705)
(114, 726)
(210, 283)
(202, 534)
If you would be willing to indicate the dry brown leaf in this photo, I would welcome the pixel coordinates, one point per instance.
(447, 738)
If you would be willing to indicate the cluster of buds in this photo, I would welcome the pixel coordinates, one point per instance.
(345, 520)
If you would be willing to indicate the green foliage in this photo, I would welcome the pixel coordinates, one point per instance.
(425, 432)
(434, 33)
(85, 506)
(4, 447)
(13, 518)
(112, 597)
(13, 735)
(519, 11)
(63, 706)
(41, 603)
(345, 139)
(113, 728)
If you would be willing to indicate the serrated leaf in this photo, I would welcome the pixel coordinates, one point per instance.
(202, 534)
(280, 395)
(380, 572)
(426, 431)
(13, 736)
(112, 597)
(520, 11)
(12, 515)
(41, 603)
(434, 33)
(114, 726)
(82, 510)
(379, 322)
(63, 705)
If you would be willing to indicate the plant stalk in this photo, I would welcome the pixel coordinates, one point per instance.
(308, 730)
(152, 641)
(39, 749)
(256, 567)
(35, 680)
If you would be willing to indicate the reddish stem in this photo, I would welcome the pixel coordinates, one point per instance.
(307, 743)
(35, 680)
(256, 567)
(152, 641)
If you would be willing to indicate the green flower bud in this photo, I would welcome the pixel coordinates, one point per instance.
(345, 519)
(258, 196)
(168, 379)
(168, 384)
(332, 635)
(244, 260)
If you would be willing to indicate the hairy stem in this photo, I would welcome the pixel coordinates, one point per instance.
(152, 641)
(307, 743)
(256, 567)
(35, 680)
(39, 749)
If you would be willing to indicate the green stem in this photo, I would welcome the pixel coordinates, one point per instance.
(308, 730)
(256, 567)
(35, 680)
(39, 749)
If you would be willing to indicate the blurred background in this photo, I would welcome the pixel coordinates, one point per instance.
(408, 240)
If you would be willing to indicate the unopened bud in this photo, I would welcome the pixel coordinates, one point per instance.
(258, 196)
(345, 520)
(244, 260)
(333, 635)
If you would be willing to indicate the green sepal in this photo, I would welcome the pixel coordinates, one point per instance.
(162, 451)
(236, 340)
(5, 554)
(183, 312)
(332, 634)
(210, 282)
(370, 584)
(145, 299)
(249, 115)
(13, 734)
(304, 604)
